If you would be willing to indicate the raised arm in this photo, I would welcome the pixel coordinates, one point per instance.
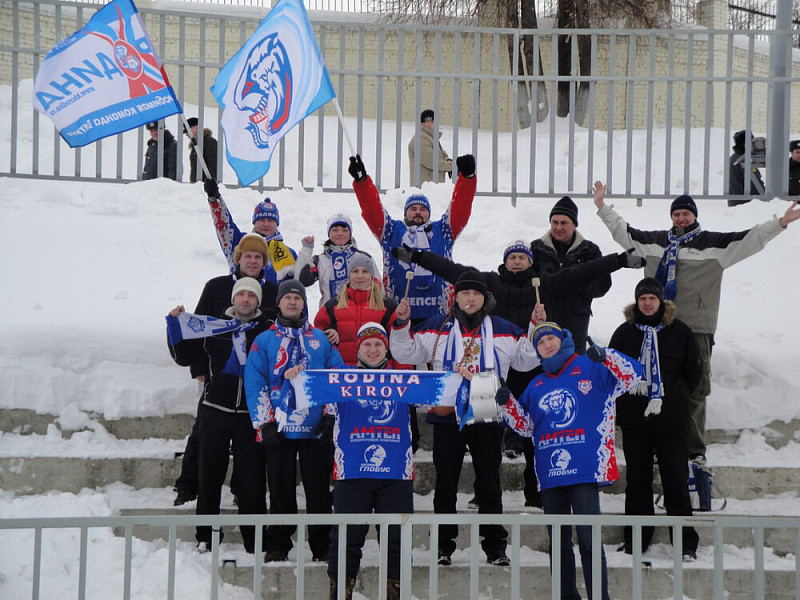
(438, 265)
(228, 234)
(460, 207)
(368, 197)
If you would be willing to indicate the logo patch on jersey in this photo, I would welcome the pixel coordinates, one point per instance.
(380, 411)
(585, 386)
(281, 359)
(576, 370)
(374, 457)
(314, 344)
(560, 460)
(562, 404)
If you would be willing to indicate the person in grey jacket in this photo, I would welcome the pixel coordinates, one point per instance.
(430, 153)
(689, 263)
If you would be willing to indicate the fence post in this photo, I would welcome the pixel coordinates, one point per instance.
(777, 123)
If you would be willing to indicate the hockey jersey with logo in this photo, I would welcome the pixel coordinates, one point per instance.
(373, 440)
(264, 353)
(570, 416)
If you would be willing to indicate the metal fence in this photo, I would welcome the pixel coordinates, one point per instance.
(651, 113)
(423, 579)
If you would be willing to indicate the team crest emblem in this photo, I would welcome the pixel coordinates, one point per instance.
(282, 358)
(585, 386)
(338, 263)
(562, 405)
(264, 89)
(196, 325)
(314, 344)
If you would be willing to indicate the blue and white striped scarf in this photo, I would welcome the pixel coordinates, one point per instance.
(187, 326)
(667, 267)
(651, 385)
(291, 352)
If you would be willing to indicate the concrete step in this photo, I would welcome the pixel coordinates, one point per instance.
(279, 583)
(178, 426)
(781, 541)
(37, 475)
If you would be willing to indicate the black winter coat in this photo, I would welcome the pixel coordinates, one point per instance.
(794, 178)
(574, 307)
(216, 299)
(209, 156)
(514, 292)
(681, 371)
(150, 170)
(220, 390)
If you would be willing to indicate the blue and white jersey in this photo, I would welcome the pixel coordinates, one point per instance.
(373, 440)
(570, 416)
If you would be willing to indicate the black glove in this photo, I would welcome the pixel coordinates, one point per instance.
(466, 165)
(211, 188)
(502, 396)
(404, 253)
(324, 429)
(595, 353)
(357, 169)
(629, 260)
(270, 436)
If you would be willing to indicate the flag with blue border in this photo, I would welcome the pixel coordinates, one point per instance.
(272, 83)
(104, 79)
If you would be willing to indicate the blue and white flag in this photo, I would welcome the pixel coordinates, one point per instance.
(272, 83)
(104, 79)
(317, 387)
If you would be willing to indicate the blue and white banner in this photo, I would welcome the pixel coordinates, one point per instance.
(272, 83)
(104, 79)
(317, 387)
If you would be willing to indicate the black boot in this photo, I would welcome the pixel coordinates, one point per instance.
(349, 584)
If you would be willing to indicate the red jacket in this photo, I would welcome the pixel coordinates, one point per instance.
(347, 321)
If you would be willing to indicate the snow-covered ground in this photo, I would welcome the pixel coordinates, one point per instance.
(90, 270)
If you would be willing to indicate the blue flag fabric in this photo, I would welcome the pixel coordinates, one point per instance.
(318, 387)
(104, 79)
(272, 83)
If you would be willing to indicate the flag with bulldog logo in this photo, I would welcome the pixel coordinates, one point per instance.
(272, 83)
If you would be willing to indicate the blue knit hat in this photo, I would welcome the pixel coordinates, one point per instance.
(417, 199)
(683, 202)
(518, 246)
(546, 328)
(339, 219)
(266, 210)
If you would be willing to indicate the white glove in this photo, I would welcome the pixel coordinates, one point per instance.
(653, 407)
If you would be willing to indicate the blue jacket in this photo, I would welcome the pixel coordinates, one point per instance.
(264, 353)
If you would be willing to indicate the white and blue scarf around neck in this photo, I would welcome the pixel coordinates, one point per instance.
(291, 352)
(340, 268)
(187, 326)
(416, 237)
(651, 385)
(667, 267)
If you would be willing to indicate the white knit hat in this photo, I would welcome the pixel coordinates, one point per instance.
(247, 284)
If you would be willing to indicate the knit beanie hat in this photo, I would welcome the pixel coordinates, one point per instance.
(339, 219)
(252, 242)
(370, 330)
(649, 285)
(362, 259)
(247, 284)
(471, 280)
(546, 328)
(417, 199)
(518, 246)
(291, 286)
(566, 207)
(266, 210)
(426, 115)
(683, 202)
(794, 145)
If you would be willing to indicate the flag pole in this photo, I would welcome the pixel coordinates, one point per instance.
(189, 131)
(341, 122)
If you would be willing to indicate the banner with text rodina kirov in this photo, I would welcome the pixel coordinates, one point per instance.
(272, 83)
(104, 79)
(433, 388)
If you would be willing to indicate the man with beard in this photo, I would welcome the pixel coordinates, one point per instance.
(467, 340)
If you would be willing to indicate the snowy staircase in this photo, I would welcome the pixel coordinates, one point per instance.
(36, 473)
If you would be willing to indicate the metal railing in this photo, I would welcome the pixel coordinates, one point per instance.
(422, 581)
(653, 117)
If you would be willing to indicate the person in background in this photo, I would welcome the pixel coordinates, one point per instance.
(431, 154)
(738, 181)
(170, 161)
(794, 168)
(209, 151)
